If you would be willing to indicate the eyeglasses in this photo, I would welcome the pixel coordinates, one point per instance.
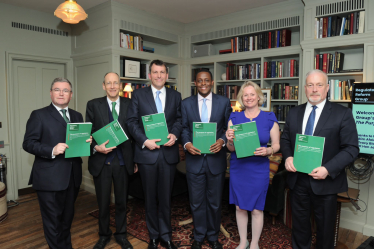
(58, 90)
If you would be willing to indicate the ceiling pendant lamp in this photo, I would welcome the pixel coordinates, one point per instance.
(70, 12)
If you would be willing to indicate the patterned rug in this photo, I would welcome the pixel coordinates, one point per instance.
(272, 237)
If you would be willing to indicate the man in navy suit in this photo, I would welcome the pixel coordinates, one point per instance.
(55, 178)
(157, 164)
(318, 117)
(205, 172)
(111, 165)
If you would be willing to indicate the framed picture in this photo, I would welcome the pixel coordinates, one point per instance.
(132, 69)
(266, 106)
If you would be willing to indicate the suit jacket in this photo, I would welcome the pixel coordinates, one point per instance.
(44, 130)
(97, 112)
(337, 125)
(221, 110)
(143, 103)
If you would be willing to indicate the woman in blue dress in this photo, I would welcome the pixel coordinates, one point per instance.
(249, 176)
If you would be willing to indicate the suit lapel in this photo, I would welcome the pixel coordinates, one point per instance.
(56, 115)
(103, 109)
(300, 117)
(151, 99)
(168, 101)
(326, 112)
(122, 110)
(215, 104)
(195, 108)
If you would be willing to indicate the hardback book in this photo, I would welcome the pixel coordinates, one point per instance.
(325, 27)
(204, 135)
(286, 37)
(361, 22)
(336, 90)
(316, 28)
(155, 127)
(338, 25)
(308, 153)
(76, 136)
(329, 20)
(246, 139)
(112, 132)
(321, 27)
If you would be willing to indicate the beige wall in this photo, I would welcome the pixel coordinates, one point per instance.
(27, 43)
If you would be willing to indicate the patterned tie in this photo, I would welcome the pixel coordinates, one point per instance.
(158, 102)
(114, 112)
(310, 123)
(204, 112)
(64, 115)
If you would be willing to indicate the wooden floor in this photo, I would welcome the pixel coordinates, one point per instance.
(23, 227)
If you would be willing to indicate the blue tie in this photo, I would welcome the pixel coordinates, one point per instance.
(310, 123)
(158, 102)
(204, 112)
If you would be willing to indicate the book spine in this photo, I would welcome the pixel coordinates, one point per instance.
(324, 67)
(292, 68)
(325, 21)
(352, 24)
(329, 27)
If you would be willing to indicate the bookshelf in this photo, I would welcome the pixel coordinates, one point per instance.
(161, 48)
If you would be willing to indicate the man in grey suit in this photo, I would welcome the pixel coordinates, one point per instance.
(110, 165)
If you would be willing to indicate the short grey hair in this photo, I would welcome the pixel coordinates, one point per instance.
(119, 78)
(315, 71)
(60, 79)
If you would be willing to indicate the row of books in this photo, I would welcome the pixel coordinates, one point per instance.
(271, 39)
(281, 111)
(241, 72)
(229, 91)
(331, 26)
(285, 91)
(340, 90)
(329, 63)
(279, 69)
(134, 42)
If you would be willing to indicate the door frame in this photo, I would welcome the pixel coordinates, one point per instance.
(12, 170)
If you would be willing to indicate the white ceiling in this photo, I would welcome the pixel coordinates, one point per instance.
(184, 11)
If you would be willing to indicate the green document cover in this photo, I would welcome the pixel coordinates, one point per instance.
(76, 136)
(204, 135)
(246, 139)
(308, 152)
(112, 132)
(155, 127)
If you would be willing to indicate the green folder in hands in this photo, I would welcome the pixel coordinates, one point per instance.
(76, 136)
(308, 152)
(155, 127)
(246, 139)
(204, 136)
(112, 132)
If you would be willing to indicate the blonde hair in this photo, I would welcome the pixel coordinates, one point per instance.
(258, 92)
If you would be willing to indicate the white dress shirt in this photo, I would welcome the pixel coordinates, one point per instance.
(200, 101)
(308, 110)
(67, 115)
(110, 105)
(162, 95)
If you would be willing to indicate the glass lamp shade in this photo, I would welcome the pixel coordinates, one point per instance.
(70, 12)
(128, 88)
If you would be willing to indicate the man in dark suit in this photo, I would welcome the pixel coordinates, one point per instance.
(110, 165)
(318, 117)
(157, 164)
(55, 178)
(205, 172)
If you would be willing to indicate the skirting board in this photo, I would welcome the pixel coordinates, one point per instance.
(368, 230)
(352, 225)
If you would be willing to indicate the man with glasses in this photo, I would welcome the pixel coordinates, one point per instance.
(55, 178)
(205, 172)
(110, 165)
